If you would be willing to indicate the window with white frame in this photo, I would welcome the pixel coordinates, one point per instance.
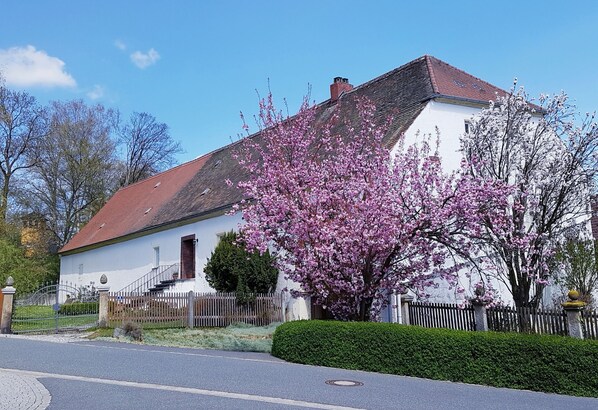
(156, 256)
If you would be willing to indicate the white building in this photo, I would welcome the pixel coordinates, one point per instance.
(176, 217)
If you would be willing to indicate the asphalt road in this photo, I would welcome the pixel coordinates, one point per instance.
(96, 375)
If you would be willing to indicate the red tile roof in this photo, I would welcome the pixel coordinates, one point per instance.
(452, 82)
(135, 207)
(198, 187)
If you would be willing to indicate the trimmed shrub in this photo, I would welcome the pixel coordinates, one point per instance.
(79, 308)
(550, 364)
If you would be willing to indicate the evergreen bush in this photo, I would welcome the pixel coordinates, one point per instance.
(231, 268)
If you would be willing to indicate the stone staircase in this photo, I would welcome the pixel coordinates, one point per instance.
(161, 286)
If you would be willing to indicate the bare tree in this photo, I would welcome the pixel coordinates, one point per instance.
(75, 173)
(148, 147)
(22, 125)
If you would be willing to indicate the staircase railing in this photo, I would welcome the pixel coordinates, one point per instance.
(152, 278)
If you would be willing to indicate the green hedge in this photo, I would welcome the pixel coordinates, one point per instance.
(79, 308)
(543, 363)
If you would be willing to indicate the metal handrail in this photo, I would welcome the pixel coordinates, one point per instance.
(152, 278)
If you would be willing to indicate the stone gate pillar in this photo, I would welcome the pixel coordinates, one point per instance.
(8, 292)
(405, 301)
(103, 290)
(481, 316)
(573, 308)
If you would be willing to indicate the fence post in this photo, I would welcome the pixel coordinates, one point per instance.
(8, 292)
(573, 308)
(480, 315)
(283, 305)
(191, 309)
(405, 301)
(393, 307)
(103, 290)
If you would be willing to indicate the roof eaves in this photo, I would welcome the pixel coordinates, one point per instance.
(152, 229)
(472, 102)
(459, 100)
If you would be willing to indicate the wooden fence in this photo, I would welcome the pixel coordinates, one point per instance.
(441, 315)
(589, 324)
(208, 309)
(152, 310)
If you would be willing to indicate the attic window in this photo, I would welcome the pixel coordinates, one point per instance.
(157, 185)
(147, 210)
(102, 225)
(205, 191)
(217, 163)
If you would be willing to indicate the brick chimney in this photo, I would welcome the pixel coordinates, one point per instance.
(339, 86)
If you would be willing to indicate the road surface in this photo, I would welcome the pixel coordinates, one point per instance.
(105, 375)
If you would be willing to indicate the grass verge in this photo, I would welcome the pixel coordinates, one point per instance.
(236, 337)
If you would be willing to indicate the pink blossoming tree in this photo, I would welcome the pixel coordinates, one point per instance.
(348, 222)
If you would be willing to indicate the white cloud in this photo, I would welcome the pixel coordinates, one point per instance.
(120, 45)
(28, 67)
(143, 60)
(96, 92)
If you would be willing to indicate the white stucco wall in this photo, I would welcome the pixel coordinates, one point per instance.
(450, 120)
(124, 262)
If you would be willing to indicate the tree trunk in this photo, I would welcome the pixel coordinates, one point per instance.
(4, 198)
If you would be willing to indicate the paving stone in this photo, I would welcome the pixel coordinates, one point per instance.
(22, 392)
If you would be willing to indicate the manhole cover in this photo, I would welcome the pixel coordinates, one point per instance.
(344, 383)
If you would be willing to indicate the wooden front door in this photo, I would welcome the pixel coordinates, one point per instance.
(188, 257)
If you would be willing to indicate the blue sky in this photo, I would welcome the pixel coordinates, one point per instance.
(196, 64)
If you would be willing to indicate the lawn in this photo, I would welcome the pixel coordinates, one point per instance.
(237, 337)
(42, 318)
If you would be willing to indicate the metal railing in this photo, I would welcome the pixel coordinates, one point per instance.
(527, 320)
(152, 278)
